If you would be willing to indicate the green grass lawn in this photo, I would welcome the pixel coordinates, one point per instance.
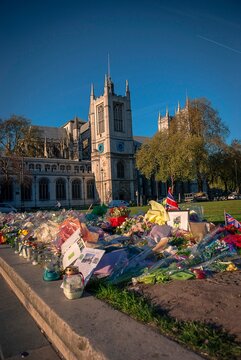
(213, 210)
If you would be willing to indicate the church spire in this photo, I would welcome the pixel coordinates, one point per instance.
(167, 112)
(159, 121)
(109, 86)
(187, 102)
(92, 93)
(106, 85)
(178, 107)
(108, 69)
(45, 148)
(127, 87)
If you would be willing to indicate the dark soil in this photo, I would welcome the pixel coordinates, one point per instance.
(215, 300)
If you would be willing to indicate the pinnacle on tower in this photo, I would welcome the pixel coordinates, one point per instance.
(76, 123)
(92, 93)
(127, 87)
(109, 86)
(178, 107)
(187, 102)
(108, 70)
(106, 80)
(159, 116)
(45, 148)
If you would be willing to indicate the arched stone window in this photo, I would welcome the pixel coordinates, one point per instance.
(26, 189)
(118, 119)
(60, 189)
(76, 169)
(6, 190)
(47, 167)
(54, 168)
(31, 167)
(120, 170)
(62, 168)
(76, 189)
(100, 119)
(38, 167)
(90, 189)
(44, 189)
(68, 168)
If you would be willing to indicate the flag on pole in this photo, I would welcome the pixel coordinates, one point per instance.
(171, 204)
(229, 220)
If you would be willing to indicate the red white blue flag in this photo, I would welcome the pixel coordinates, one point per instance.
(229, 220)
(171, 204)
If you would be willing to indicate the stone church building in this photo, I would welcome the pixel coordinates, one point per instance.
(84, 162)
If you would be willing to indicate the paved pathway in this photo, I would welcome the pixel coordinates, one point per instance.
(20, 336)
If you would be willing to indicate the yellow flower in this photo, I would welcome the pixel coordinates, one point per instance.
(231, 267)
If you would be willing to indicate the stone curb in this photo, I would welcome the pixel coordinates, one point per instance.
(72, 346)
(84, 328)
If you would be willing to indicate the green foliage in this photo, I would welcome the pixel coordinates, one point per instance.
(182, 152)
(100, 210)
(146, 160)
(179, 242)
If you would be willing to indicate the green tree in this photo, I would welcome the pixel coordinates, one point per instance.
(225, 167)
(207, 134)
(182, 152)
(220, 172)
(164, 157)
(235, 163)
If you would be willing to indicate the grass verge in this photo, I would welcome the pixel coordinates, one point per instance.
(205, 339)
(213, 210)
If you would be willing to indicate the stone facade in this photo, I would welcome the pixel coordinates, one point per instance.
(112, 153)
(84, 162)
(80, 163)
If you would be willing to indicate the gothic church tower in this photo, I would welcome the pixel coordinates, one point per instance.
(112, 145)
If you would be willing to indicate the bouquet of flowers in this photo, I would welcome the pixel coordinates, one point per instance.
(119, 211)
(134, 225)
(117, 215)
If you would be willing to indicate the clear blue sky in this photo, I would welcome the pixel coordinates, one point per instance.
(52, 50)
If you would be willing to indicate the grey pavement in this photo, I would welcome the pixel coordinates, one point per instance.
(85, 328)
(20, 336)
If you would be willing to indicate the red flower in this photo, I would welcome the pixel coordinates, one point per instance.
(233, 239)
(232, 229)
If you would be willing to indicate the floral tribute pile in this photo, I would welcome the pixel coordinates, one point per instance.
(143, 248)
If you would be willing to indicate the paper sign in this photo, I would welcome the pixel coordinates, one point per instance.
(70, 241)
(88, 260)
(71, 254)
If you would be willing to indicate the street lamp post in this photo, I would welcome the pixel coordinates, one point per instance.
(22, 183)
(102, 191)
(35, 190)
(105, 194)
(68, 192)
(84, 191)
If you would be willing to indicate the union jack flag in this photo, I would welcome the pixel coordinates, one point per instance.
(171, 204)
(229, 220)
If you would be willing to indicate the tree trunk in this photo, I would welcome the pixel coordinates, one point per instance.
(199, 182)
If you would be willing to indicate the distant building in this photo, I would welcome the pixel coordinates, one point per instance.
(84, 162)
